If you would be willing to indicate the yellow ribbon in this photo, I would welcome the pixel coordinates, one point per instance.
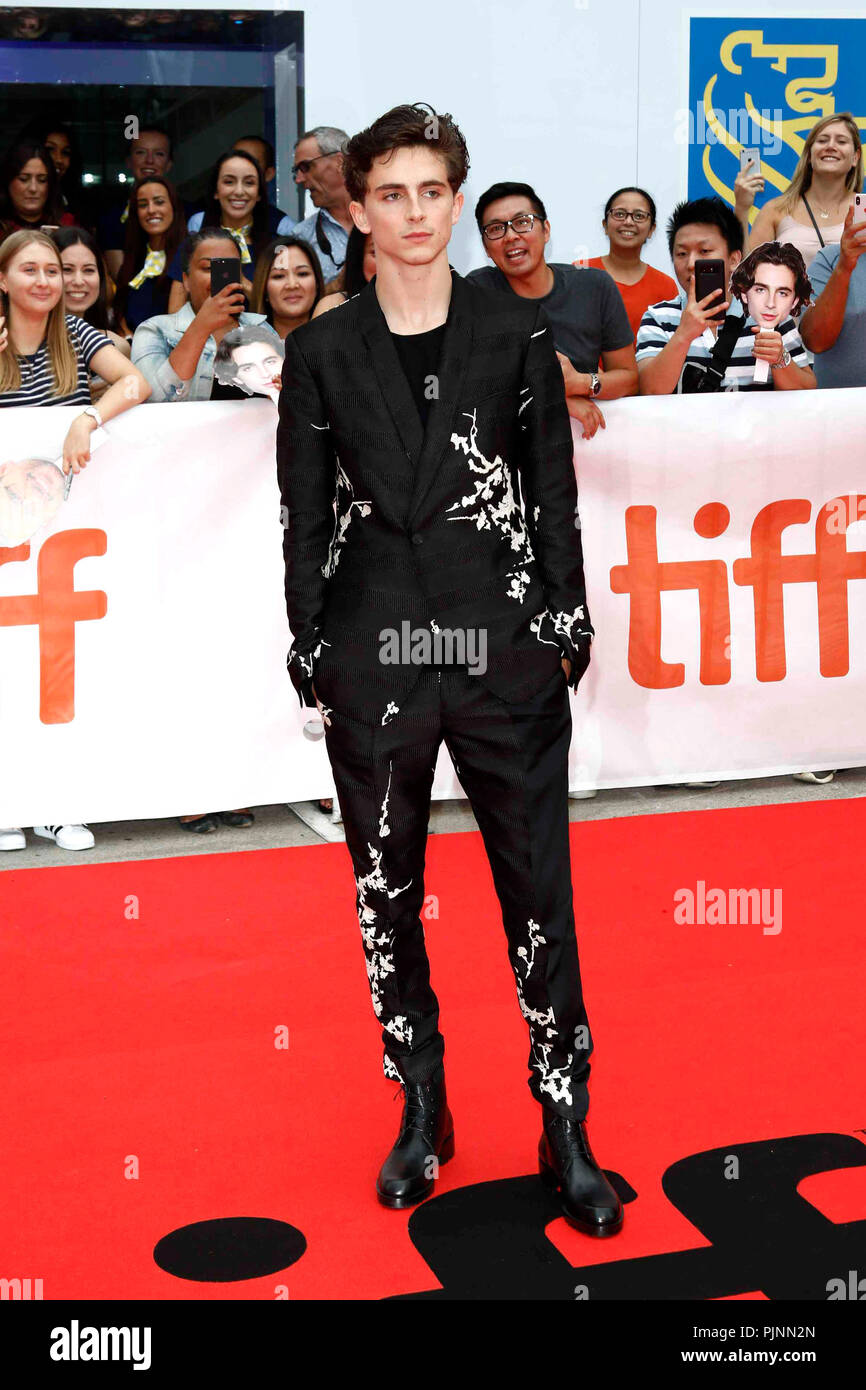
(154, 264)
(240, 234)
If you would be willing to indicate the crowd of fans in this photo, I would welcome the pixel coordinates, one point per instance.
(110, 306)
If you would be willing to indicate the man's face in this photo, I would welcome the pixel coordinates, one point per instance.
(196, 280)
(409, 207)
(517, 254)
(31, 493)
(771, 297)
(322, 180)
(148, 154)
(697, 242)
(257, 149)
(258, 364)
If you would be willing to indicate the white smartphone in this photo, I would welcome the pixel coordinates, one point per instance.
(859, 209)
(750, 153)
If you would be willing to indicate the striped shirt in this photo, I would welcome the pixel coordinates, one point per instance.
(37, 381)
(661, 321)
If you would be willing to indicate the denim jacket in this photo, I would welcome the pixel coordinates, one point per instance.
(156, 339)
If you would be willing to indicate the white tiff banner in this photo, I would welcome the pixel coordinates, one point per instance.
(143, 631)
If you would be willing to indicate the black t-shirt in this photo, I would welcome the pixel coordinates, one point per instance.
(419, 358)
(585, 309)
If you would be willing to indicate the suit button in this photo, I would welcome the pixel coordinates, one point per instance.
(417, 540)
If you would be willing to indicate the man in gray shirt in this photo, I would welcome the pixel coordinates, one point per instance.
(590, 324)
(834, 329)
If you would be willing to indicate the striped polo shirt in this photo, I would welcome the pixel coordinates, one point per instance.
(37, 382)
(661, 321)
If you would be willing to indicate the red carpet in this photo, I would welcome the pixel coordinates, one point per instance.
(726, 1088)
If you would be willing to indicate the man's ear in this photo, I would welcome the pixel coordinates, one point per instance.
(457, 208)
(359, 217)
(734, 259)
(546, 226)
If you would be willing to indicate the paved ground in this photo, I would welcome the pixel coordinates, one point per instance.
(277, 826)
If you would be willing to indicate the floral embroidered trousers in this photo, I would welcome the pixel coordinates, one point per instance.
(512, 763)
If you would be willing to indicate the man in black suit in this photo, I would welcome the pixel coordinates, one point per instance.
(435, 591)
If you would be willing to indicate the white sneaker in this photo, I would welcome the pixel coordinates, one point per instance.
(821, 778)
(67, 836)
(585, 795)
(13, 838)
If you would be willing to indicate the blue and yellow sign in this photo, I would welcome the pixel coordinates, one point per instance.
(766, 82)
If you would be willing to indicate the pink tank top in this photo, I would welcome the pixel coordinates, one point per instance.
(806, 238)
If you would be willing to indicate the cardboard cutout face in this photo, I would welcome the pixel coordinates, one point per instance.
(772, 296)
(245, 359)
(31, 494)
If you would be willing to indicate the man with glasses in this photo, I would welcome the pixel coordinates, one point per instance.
(589, 321)
(318, 168)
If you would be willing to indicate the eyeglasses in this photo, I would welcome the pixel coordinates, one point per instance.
(622, 215)
(303, 164)
(523, 222)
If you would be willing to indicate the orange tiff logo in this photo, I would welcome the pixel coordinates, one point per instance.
(765, 570)
(55, 609)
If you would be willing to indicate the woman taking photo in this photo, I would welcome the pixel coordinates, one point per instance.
(629, 221)
(45, 354)
(811, 212)
(155, 227)
(288, 284)
(357, 271)
(237, 202)
(30, 195)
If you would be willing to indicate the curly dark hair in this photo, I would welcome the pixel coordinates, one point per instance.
(774, 253)
(400, 128)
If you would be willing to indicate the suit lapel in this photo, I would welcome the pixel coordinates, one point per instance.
(424, 449)
(453, 363)
(389, 373)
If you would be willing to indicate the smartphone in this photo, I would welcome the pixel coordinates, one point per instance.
(224, 270)
(859, 209)
(709, 276)
(753, 153)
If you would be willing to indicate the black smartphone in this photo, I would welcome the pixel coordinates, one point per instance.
(224, 270)
(709, 276)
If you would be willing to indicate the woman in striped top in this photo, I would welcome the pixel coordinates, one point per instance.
(45, 353)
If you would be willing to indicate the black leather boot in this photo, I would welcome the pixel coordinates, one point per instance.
(426, 1131)
(567, 1163)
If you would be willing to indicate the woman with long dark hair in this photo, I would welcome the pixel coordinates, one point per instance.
(288, 284)
(61, 143)
(30, 196)
(155, 227)
(238, 202)
(86, 286)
